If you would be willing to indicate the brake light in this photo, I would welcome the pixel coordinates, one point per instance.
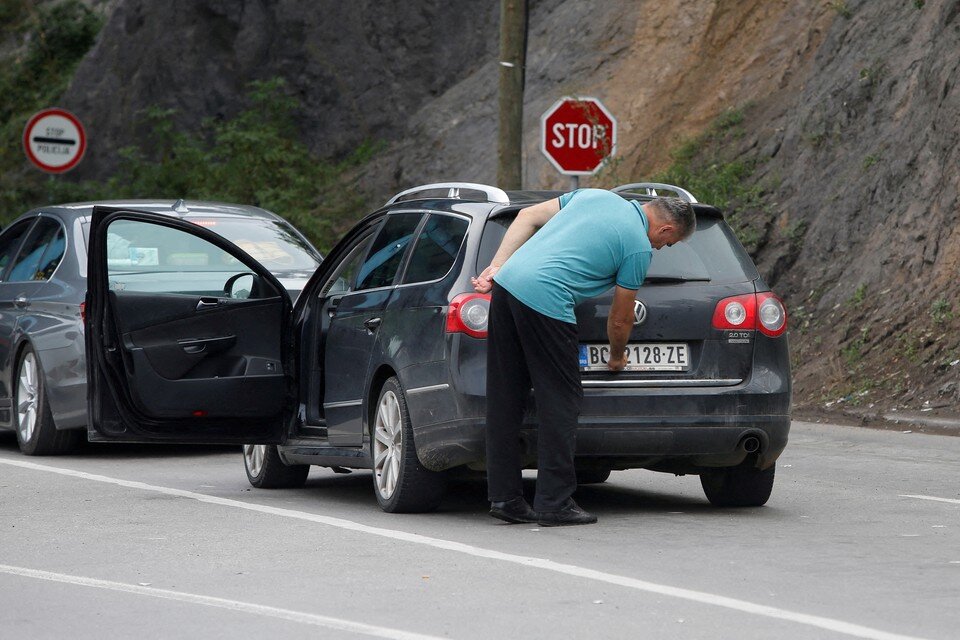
(771, 314)
(469, 314)
(763, 311)
(83, 312)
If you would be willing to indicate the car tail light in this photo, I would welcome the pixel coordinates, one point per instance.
(763, 311)
(83, 312)
(771, 314)
(469, 313)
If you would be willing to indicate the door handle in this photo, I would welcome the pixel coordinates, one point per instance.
(207, 303)
(21, 302)
(199, 345)
(372, 324)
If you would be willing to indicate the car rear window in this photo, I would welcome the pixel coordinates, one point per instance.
(711, 254)
(272, 243)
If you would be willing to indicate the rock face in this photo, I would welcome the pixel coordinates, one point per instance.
(350, 63)
(852, 120)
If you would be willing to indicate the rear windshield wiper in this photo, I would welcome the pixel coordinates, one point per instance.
(669, 279)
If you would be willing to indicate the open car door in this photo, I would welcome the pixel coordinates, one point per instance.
(187, 336)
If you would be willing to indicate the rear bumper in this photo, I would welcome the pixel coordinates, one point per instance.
(668, 444)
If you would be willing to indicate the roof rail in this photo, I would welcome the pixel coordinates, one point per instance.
(453, 191)
(651, 190)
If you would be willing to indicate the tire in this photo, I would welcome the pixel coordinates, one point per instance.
(265, 469)
(400, 482)
(741, 486)
(37, 434)
(592, 476)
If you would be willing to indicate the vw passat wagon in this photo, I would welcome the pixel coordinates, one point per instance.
(380, 363)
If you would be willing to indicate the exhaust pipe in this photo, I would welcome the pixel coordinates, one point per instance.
(750, 444)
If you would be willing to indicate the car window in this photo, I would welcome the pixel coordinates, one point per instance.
(436, 249)
(41, 252)
(142, 256)
(344, 278)
(386, 253)
(712, 253)
(10, 242)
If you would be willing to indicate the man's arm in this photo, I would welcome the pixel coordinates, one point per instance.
(527, 222)
(619, 326)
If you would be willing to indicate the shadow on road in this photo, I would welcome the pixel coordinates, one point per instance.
(469, 496)
(101, 451)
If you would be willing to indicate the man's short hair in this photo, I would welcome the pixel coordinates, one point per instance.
(679, 213)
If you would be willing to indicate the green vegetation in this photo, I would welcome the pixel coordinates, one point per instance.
(59, 37)
(795, 233)
(853, 352)
(842, 8)
(870, 160)
(700, 166)
(918, 3)
(256, 157)
(858, 296)
(32, 78)
(941, 310)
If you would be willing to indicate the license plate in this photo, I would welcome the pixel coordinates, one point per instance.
(641, 356)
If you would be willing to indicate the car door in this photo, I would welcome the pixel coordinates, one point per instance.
(12, 301)
(355, 319)
(187, 336)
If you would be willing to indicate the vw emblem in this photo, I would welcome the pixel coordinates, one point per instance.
(639, 313)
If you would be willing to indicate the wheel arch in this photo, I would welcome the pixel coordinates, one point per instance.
(23, 342)
(380, 376)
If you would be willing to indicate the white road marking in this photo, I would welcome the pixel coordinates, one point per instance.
(222, 603)
(830, 624)
(933, 498)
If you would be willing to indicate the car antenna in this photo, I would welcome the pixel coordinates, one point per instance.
(180, 206)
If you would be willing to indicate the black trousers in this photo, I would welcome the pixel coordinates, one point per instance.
(525, 347)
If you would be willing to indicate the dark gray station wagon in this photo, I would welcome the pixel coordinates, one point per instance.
(380, 364)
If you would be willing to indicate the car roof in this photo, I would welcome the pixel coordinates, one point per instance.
(480, 208)
(181, 208)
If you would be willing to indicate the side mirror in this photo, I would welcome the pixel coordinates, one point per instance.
(242, 286)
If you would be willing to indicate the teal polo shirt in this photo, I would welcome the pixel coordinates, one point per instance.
(596, 240)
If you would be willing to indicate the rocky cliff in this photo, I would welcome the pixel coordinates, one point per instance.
(850, 121)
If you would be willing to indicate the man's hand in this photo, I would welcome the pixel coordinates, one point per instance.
(619, 326)
(484, 282)
(617, 364)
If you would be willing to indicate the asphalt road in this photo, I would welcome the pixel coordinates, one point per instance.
(860, 539)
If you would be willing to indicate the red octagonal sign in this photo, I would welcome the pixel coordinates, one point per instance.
(578, 135)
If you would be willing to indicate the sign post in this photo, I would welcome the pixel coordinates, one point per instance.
(54, 140)
(578, 135)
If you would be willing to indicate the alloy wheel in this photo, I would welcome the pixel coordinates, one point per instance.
(253, 455)
(27, 401)
(388, 442)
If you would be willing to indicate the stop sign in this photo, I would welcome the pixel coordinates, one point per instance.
(578, 135)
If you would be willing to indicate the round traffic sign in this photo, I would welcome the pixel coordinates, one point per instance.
(578, 135)
(54, 140)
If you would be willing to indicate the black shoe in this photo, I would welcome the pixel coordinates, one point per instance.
(569, 513)
(514, 511)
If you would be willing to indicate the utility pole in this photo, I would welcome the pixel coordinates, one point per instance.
(513, 59)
